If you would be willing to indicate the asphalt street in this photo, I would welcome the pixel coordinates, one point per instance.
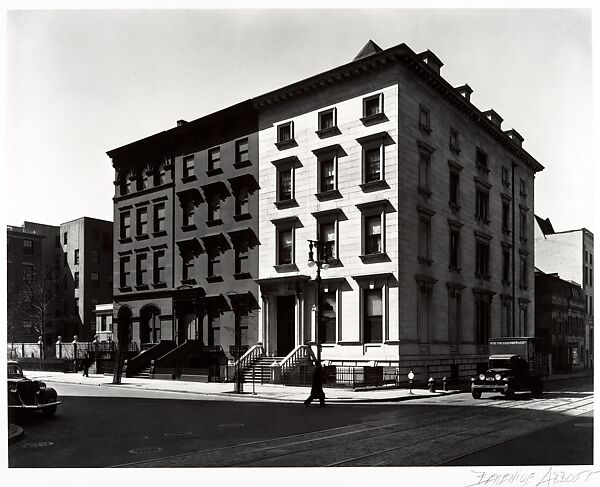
(107, 427)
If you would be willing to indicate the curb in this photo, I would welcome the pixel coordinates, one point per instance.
(14, 432)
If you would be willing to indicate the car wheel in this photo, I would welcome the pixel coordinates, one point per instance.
(537, 388)
(49, 411)
(476, 394)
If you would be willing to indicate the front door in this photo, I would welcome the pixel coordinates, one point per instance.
(286, 306)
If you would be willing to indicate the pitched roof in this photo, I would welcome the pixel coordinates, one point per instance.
(368, 49)
(545, 225)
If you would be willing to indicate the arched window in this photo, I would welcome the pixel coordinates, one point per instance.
(160, 174)
(125, 183)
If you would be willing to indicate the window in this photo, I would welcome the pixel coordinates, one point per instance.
(372, 315)
(285, 133)
(523, 225)
(482, 199)
(188, 166)
(454, 188)
(159, 217)
(482, 319)
(523, 188)
(28, 247)
(187, 270)
(214, 208)
(160, 175)
(505, 216)
(76, 256)
(523, 274)
(285, 184)
(505, 176)
(373, 106)
(214, 328)
(285, 246)
(506, 316)
(372, 163)
(142, 221)
(159, 267)
(27, 272)
(241, 151)
(327, 327)
(76, 277)
(425, 153)
(241, 328)
(65, 238)
(241, 258)
(326, 166)
(372, 231)
(214, 159)
(424, 119)
(454, 141)
(125, 272)
(327, 120)
(188, 208)
(95, 277)
(425, 239)
(95, 256)
(141, 269)
(242, 202)
(327, 235)
(505, 266)
(481, 161)
(125, 224)
(142, 181)
(482, 259)
(454, 248)
(65, 259)
(454, 314)
(125, 184)
(214, 261)
(523, 318)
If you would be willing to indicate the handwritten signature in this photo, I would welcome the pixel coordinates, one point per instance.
(522, 478)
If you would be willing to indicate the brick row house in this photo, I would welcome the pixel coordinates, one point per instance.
(423, 203)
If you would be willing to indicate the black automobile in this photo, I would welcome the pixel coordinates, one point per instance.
(26, 394)
(507, 374)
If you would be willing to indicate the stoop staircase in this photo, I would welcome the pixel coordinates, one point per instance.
(259, 371)
(142, 374)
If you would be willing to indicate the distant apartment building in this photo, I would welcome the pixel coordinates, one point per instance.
(104, 322)
(61, 268)
(560, 315)
(426, 207)
(570, 254)
(186, 236)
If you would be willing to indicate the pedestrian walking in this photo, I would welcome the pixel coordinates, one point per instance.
(85, 363)
(316, 391)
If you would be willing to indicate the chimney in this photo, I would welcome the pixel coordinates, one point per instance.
(181, 122)
(465, 91)
(431, 60)
(515, 137)
(493, 117)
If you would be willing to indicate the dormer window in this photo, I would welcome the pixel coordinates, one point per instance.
(285, 135)
(373, 109)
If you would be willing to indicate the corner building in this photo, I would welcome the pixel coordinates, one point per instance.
(426, 206)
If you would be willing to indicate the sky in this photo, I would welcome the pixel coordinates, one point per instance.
(82, 82)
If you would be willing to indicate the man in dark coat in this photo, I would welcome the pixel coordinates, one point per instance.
(85, 363)
(316, 391)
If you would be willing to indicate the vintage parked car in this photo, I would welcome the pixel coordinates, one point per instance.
(26, 394)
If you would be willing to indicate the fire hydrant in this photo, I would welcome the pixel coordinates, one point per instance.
(445, 383)
(431, 384)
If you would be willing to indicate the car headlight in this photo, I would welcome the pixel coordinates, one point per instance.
(481, 376)
(497, 377)
(12, 388)
(42, 386)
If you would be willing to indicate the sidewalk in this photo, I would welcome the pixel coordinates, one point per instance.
(270, 392)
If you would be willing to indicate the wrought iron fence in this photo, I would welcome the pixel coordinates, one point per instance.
(336, 376)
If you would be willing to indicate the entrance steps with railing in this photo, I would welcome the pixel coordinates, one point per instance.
(260, 370)
(142, 374)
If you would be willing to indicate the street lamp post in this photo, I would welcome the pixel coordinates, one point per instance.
(321, 263)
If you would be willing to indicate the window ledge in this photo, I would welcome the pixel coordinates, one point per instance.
(371, 119)
(214, 223)
(189, 179)
(142, 287)
(424, 191)
(143, 236)
(286, 144)
(188, 281)
(125, 240)
(374, 185)
(286, 203)
(425, 129)
(328, 195)
(240, 164)
(243, 216)
(482, 168)
(125, 289)
(453, 206)
(335, 263)
(424, 260)
(214, 172)
(373, 258)
(214, 279)
(160, 233)
(455, 149)
(242, 275)
(328, 132)
(159, 285)
(187, 228)
(286, 267)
